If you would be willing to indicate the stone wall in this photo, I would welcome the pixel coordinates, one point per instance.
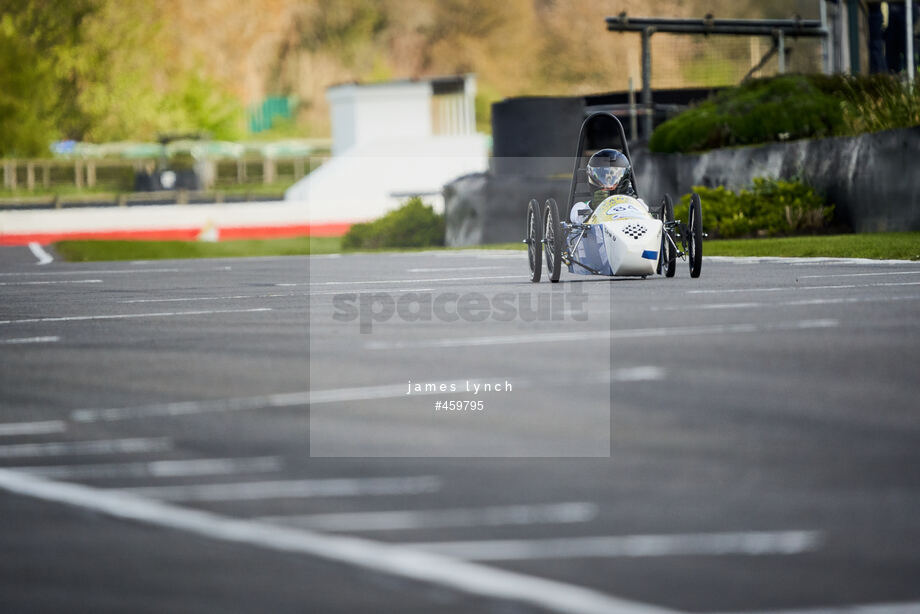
(873, 179)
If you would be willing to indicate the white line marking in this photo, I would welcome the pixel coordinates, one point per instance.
(638, 374)
(335, 395)
(135, 445)
(389, 559)
(161, 468)
(33, 428)
(122, 316)
(50, 281)
(213, 298)
(859, 274)
(37, 251)
(374, 291)
(804, 302)
(869, 608)
(285, 489)
(289, 399)
(116, 271)
(456, 268)
(403, 281)
(553, 513)
(27, 340)
(717, 329)
(797, 288)
(752, 543)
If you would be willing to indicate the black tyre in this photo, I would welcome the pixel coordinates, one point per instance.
(695, 243)
(534, 233)
(552, 240)
(667, 259)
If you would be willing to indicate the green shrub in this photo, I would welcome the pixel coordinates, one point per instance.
(412, 225)
(791, 107)
(759, 111)
(769, 208)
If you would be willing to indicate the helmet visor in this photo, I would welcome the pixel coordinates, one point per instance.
(606, 177)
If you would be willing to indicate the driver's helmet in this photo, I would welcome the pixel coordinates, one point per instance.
(607, 168)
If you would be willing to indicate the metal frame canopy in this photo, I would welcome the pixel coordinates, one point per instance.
(583, 134)
(776, 28)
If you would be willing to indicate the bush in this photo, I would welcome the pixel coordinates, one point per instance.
(770, 208)
(791, 107)
(759, 111)
(415, 224)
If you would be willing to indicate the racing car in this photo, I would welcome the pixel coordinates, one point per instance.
(620, 237)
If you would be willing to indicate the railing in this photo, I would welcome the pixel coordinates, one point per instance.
(118, 175)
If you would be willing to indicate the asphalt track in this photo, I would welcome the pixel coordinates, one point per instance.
(235, 436)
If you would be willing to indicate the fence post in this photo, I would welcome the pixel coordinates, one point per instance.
(10, 174)
(78, 174)
(268, 170)
(46, 175)
(30, 175)
(91, 173)
(647, 80)
(909, 5)
(298, 168)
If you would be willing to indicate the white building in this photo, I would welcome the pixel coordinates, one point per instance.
(391, 141)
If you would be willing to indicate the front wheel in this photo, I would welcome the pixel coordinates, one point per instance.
(667, 262)
(552, 240)
(534, 229)
(695, 247)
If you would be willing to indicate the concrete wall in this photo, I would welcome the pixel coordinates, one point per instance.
(873, 179)
(487, 208)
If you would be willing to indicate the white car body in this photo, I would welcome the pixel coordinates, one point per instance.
(623, 239)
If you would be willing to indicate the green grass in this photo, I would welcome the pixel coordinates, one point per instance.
(889, 245)
(85, 251)
(879, 246)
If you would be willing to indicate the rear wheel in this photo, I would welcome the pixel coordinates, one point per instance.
(695, 244)
(534, 229)
(552, 240)
(667, 259)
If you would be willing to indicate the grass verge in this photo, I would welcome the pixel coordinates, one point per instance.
(877, 245)
(887, 245)
(86, 251)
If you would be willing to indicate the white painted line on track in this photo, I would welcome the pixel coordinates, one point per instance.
(39, 252)
(798, 303)
(681, 331)
(212, 298)
(134, 445)
(456, 268)
(30, 340)
(371, 291)
(48, 282)
(753, 543)
(509, 515)
(638, 374)
(33, 428)
(335, 395)
(403, 281)
(292, 489)
(389, 559)
(798, 288)
(288, 399)
(910, 607)
(160, 468)
(859, 274)
(115, 271)
(124, 316)
(183, 408)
